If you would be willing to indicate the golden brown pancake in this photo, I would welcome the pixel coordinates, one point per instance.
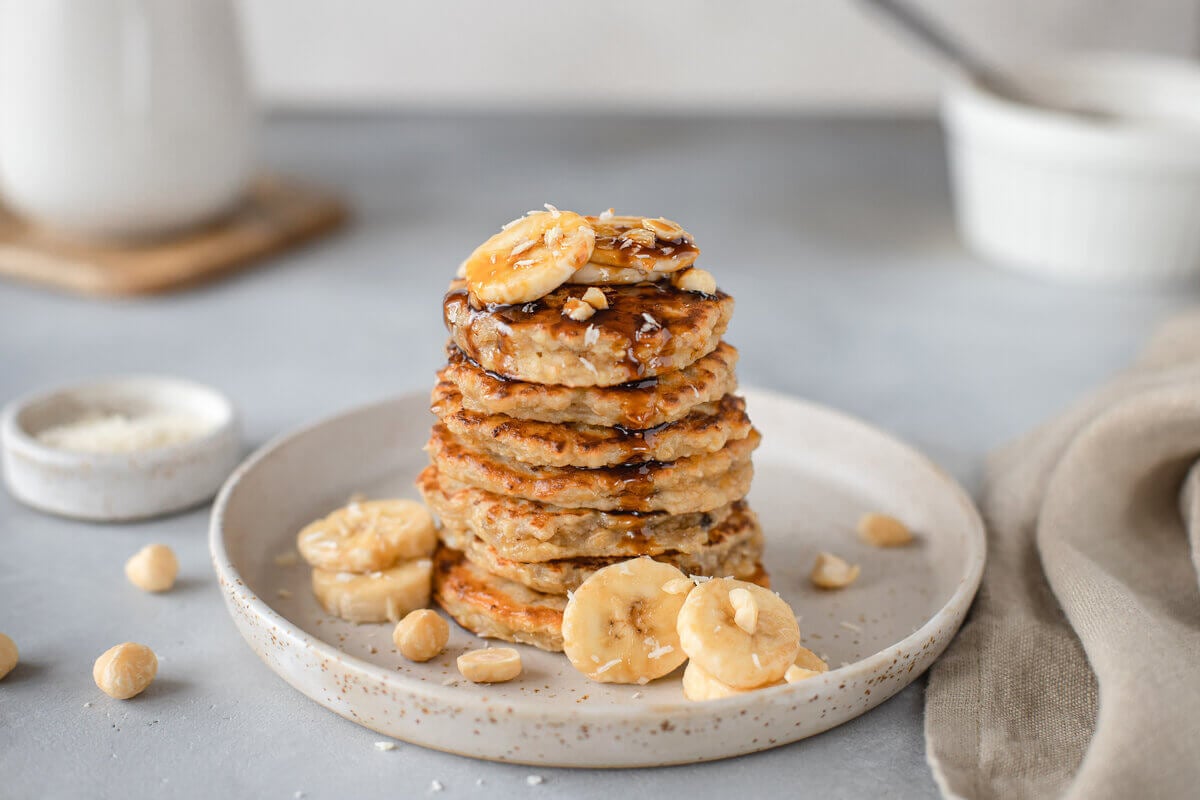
(705, 430)
(693, 484)
(648, 329)
(495, 607)
(642, 404)
(529, 531)
(734, 550)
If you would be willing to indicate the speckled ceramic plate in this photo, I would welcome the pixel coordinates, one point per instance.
(816, 472)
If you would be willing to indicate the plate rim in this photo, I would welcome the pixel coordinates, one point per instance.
(963, 594)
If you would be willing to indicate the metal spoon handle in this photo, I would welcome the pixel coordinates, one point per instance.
(935, 38)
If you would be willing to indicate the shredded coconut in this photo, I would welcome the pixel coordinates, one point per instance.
(591, 367)
(591, 336)
(522, 247)
(607, 214)
(554, 212)
(100, 432)
(603, 668)
(385, 746)
(850, 626)
(534, 780)
(659, 652)
(754, 658)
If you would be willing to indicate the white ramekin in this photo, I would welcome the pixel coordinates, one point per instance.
(118, 486)
(1081, 198)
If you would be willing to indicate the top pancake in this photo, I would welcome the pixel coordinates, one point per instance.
(648, 329)
(640, 405)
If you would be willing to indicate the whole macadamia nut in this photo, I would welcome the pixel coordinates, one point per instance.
(153, 568)
(126, 670)
(421, 635)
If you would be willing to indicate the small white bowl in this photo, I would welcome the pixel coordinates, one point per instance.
(118, 486)
(1075, 197)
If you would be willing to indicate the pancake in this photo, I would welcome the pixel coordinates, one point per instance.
(529, 531)
(642, 404)
(497, 608)
(734, 549)
(491, 606)
(706, 429)
(648, 329)
(693, 484)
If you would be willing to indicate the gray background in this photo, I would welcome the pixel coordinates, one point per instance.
(836, 239)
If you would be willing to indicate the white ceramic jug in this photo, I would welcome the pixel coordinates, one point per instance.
(122, 118)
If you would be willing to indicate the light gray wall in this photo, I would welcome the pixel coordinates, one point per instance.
(776, 55)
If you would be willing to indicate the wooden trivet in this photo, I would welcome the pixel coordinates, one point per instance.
(277, 214)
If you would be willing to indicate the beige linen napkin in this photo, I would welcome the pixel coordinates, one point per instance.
(1078, 672)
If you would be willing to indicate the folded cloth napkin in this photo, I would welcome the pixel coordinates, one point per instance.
(1078, 672)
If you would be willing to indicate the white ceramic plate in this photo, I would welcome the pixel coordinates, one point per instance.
(816, 472)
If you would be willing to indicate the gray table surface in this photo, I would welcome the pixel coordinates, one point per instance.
(836, 238)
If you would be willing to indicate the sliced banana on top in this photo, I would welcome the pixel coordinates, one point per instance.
(712, 632)
(368, 536)
(642, 243)
(619, 625)
(531, 257)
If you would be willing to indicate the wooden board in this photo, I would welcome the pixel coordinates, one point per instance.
(277, 214)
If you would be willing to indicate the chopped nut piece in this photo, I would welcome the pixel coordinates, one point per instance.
(126, 670)
(577, 310)
(884, 531)
(795, 674)
(694, 280)
(8, 655)
(493, 665)
(745, 610)
(831, 572)
(421, 635)
(807, 659)
(665, 229)
(153, 568)
(595, 298)
(639, 236)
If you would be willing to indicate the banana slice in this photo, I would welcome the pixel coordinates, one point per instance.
(493, 665)
(531, 257)
(384, 596)
(593, 274)
(619, 625)
(368, 537)
(711, 636)
(699, 685)
(642, 244)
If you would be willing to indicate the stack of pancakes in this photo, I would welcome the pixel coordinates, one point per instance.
(565, 445)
